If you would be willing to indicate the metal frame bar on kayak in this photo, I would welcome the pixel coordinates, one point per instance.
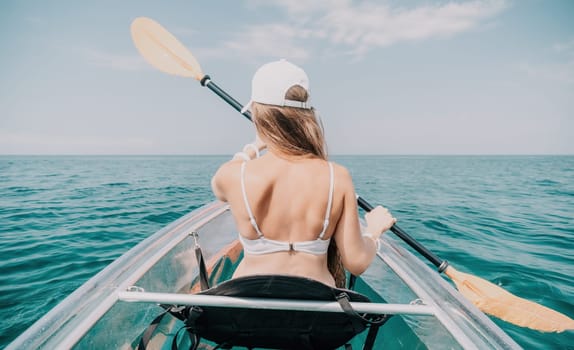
(272, 304)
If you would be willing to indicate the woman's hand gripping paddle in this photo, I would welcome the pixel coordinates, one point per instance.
(163, 51)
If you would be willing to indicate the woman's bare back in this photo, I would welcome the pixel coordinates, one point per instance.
(288, 199)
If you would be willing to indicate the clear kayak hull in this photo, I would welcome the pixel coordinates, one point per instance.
(99, 315)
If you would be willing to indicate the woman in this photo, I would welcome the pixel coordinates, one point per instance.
(290, 203)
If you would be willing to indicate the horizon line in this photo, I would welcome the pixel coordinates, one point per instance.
(225, 154)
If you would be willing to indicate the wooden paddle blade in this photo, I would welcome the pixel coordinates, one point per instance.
(162, 50)
(495, 301)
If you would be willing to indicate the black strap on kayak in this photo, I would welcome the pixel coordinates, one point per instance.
(147, 335)
(352, 280)
(343, 300)
(189, 315)
(357, 320)
(203, 277)
(180, 312)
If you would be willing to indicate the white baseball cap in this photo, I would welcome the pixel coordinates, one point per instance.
(271, 82)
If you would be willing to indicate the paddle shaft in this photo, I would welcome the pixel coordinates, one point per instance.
(206, 81)
(435, 260)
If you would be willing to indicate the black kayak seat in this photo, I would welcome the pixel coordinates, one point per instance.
(279, 329)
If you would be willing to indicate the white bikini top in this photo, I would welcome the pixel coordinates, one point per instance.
(262, 245)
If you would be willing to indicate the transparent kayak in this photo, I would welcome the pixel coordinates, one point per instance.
(114, 308)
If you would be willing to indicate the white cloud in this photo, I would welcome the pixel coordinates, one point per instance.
(360, 26)
(269, 40)
(368, 26)
(303, 8)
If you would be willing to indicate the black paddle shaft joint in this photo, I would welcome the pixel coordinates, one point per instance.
(207, 82)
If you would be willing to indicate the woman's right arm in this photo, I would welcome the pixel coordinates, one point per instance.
(219, 180)
(357, 251)
(223, 178)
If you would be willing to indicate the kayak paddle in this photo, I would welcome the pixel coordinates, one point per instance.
(163, 51)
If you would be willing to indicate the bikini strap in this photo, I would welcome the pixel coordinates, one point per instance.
(330, 202)
(251, 217)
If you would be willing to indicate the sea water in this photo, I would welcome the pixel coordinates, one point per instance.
(507, 219)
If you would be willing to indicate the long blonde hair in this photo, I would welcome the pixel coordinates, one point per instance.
(292, 131)
(297, 132)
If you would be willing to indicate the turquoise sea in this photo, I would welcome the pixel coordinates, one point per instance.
(508, 219)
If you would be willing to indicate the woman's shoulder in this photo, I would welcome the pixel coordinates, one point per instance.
(227, 172)
(229, 167)
(339, 169)
(341, 173)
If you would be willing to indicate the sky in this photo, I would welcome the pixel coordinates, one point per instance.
(387, 77)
